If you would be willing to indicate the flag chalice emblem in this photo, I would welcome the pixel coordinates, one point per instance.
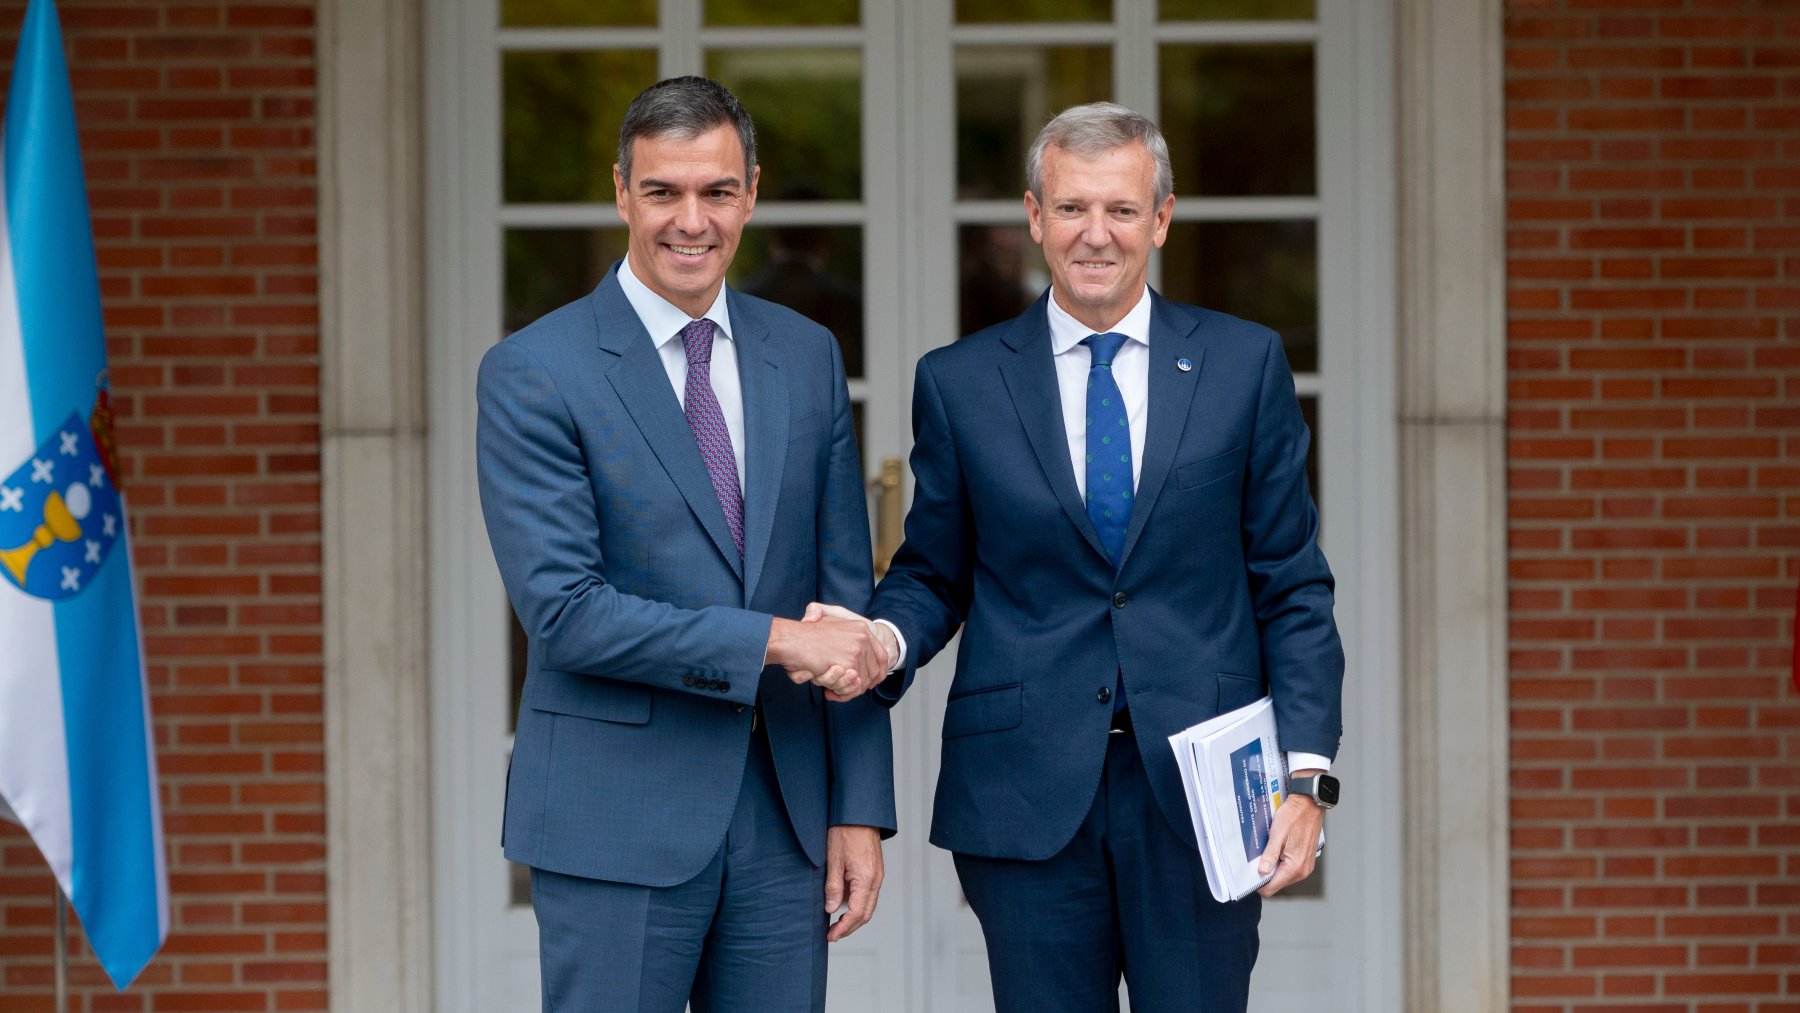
(63, 514)
(60, 515)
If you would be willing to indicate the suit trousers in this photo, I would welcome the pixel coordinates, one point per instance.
(1126, 896)
(746, 935)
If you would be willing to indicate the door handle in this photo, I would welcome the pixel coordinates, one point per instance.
(889, 519)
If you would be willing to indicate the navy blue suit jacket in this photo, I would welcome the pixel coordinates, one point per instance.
(1221, 593)
(646, 629)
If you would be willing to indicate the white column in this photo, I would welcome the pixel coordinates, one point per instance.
(373, 434)
(1453, 509)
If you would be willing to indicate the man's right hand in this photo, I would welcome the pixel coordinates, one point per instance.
(842, 656)
(883, 633)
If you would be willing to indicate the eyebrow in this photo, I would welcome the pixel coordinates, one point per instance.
(659, 184)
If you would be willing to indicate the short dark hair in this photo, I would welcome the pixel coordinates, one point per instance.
(685, 107)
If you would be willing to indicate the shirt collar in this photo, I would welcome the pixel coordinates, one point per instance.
(662, 318)
(1066, 332)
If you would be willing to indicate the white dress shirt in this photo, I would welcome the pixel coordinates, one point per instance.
(664, 321)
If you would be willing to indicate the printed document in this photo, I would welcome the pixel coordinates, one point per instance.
(1235, 776)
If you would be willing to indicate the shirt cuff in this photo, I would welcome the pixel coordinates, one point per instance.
(899, 640)
(1307, 761)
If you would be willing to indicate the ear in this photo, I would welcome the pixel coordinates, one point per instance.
(619, 190)
(750, 192)
(1164, 215)
(1032, 215)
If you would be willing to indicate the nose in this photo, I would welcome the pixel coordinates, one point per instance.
(689, 217)
(1094, 230)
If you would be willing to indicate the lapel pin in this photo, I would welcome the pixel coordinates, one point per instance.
(1184, 364)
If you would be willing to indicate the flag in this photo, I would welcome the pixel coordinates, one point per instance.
(77, 761)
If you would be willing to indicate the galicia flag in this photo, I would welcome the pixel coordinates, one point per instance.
(77, 763)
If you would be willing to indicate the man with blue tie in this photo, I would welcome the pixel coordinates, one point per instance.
(668, 475)
(1111, 502)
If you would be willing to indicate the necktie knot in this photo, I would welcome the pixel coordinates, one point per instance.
(1104, 347)
(696, 341)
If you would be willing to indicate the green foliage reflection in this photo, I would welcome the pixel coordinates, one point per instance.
(980, 12)
(786, 12)
(560, 121)
(1004, 96)
(571, 13)
(1235, 10)
(807, 104)
(546, 268)
(1239, 119)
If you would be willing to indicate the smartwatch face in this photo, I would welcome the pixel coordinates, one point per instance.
(1326, 788)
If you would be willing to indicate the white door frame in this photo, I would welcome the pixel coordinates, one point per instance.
(1449, 374)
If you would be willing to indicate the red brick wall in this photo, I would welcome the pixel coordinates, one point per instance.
(1653, 186)
(197, 126)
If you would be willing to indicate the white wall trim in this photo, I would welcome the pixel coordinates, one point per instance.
(372, 431)
(1453, 502)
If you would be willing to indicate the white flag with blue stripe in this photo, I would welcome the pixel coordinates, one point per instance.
(77, 760)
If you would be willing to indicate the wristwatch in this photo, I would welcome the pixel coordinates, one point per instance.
(1321, 788)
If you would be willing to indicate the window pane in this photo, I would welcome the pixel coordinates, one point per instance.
(1000, 272)
(560, 119)
(1241, 10)
(517, 651)
(974, 12)
(813, 271)
(546, 268)
(1309, 410)
(807, 104)
(1267, 272)
(1239, 118)
(560, 13)
(1005, 95)
(789, 12)
(862, 451)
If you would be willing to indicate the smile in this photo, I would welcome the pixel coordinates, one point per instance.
(688, 251)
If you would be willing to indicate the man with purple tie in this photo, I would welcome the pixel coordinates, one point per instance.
(668, 475)
(1111, 504)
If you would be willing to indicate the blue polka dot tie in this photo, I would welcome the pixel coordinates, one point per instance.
(707, 421)
(1108, 447)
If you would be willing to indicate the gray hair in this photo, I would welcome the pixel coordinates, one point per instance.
(685, 107)
(1094, 129)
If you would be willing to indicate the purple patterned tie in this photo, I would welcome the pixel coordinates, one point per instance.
(701, 406)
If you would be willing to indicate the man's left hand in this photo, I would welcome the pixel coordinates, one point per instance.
(853, 876)
(1293, 841)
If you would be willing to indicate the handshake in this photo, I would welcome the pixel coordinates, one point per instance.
(834, 649)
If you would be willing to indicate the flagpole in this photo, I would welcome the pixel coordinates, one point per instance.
(62, 950)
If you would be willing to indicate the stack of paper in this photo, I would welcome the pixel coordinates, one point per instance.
(1235, 776)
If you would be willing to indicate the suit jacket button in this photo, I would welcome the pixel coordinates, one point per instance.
(688, 681)
(1119, 600)
(1105, 694)
(724, 686)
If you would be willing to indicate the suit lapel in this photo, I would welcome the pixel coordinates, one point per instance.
(1171, 394)
(643, 388)
(765, 436)
(1030, 377)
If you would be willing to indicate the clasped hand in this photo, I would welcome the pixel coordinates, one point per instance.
(833, 648)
